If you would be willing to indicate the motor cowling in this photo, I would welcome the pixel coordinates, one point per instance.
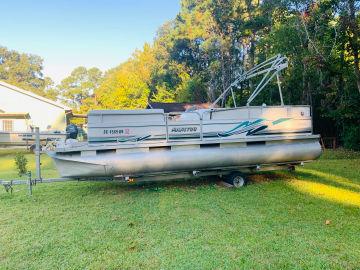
(72, 131)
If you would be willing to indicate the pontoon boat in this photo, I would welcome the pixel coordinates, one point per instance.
(151, 145)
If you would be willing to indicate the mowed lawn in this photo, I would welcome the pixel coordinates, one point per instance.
(308, 219)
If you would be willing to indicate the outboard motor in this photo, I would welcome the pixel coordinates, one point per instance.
(72, 131)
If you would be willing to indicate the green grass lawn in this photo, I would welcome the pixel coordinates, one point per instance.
(277, 222)
(8, 170)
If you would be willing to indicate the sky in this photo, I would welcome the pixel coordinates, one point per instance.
(68, 34)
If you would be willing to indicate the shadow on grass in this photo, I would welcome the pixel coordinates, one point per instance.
(190, 185)
(153, 186)
(262, 177)
(209, 182)
(340, 154)
(186, 184)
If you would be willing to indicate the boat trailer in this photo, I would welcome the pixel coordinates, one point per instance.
(239, 179)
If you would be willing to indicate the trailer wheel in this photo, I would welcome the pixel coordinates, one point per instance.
(237, 180)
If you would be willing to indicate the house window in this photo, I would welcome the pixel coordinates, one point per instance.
(8, 125)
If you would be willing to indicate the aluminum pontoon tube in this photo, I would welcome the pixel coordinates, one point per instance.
(185, 160)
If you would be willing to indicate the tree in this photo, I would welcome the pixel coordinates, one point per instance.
(128, 85)
(198, 54)
(50, 90)
(123, 90)
(163, 94)
(25, 71)
(350, 20)
(80, 85)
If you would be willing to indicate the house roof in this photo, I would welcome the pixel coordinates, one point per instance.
(17, 115)
(177, 107)
(30, 94)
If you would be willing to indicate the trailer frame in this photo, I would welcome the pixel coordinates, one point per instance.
(164, 176)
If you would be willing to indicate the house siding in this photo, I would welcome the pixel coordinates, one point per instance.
(44, 115)
(19, 125)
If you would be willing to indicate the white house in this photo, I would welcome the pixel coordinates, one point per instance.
(21, 110)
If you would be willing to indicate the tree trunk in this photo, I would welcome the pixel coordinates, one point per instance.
(304, 85)
(353, 40)
(223, 101)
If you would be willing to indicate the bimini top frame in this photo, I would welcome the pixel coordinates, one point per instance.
(269, 69)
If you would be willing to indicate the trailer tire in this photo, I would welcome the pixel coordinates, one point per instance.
(236, 179)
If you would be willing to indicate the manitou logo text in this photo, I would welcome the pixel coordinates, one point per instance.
(184, 129)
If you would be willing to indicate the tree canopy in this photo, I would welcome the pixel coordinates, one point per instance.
(79, 86)
(25, 71)
(199, 53)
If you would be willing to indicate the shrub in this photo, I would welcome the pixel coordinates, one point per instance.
(21, 162)
(352, 137)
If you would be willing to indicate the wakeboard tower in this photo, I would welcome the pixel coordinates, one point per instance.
(147, 145)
